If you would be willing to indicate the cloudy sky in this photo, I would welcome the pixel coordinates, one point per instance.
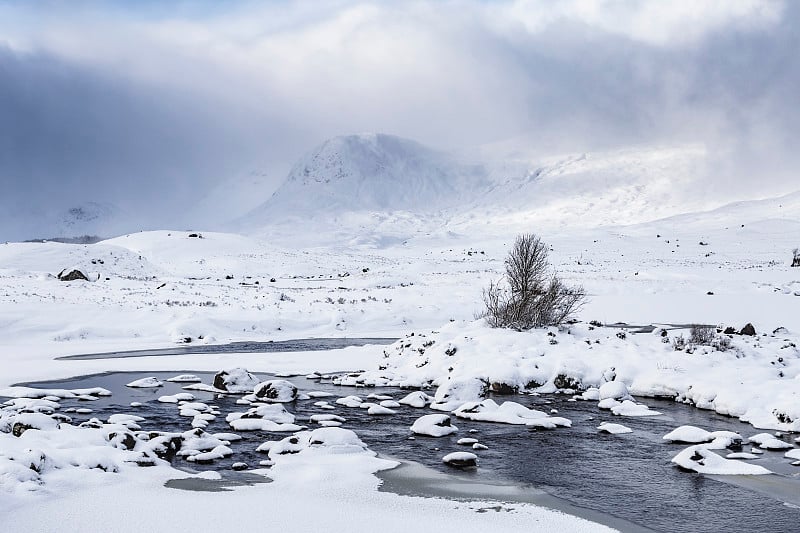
(149, 104)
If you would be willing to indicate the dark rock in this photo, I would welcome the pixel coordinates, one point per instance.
(729, 331)
(123, 440)
(276, 390)
(498, 387)
(562, 381)
(748, 329)
(72, 275)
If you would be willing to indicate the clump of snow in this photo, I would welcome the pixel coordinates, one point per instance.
(614, 429)
(688, 435)
(437, 425)
(454, 392)
(767, 441)
(509, 413)
(615, 390)
(185, 378)
(416, 399)
(146, 383)
(270, 417)
(379, 410)
(175, 398)
(350, 401)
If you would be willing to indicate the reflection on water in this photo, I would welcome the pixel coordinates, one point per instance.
(628, 476)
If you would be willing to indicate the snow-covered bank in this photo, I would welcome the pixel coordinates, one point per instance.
(755, 378)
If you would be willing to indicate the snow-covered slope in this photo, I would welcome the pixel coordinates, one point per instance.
(378, 188)
(374, 172)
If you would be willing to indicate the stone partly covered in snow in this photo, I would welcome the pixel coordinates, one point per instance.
(235, 380)
(626, 408)
(146, 383)
(276, 390)
(614, 429)
(766, 441)
(72, 274)
(416, 399)
(509, 413)
(453, 393)
(24, 421)
(460, 459)
(433, 426)
(700, 459)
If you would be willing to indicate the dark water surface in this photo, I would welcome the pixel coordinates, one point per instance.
(627, 476)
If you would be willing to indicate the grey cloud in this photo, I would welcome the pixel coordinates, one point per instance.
(150, 123)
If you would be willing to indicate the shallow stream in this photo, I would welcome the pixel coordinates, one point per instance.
(626, 481)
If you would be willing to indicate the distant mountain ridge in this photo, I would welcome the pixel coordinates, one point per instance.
(375, 172)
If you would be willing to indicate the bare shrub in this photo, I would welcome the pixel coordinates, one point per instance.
(679, 343)
(700, 334)
(531, 295)
(796, 257)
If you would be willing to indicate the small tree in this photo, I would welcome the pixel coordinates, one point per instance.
(532, 295)
(796, 257)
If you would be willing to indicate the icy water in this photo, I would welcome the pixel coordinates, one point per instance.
(627, 477)
(294, 345)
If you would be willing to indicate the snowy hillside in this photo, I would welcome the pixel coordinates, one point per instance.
(374, 172)
(380, 188)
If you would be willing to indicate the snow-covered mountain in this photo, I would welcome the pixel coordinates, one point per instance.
(374, 172)
(381, 185)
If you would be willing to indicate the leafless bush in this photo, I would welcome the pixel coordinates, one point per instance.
(531, 295)
(700, 334)
(796, 257)
(679, 343)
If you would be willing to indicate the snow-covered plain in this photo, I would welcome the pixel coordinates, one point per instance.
(628, 225)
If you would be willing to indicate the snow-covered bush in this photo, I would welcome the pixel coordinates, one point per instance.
(532, 295)
(700, 334)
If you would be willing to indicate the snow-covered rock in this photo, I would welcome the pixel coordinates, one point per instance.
(276, 390)
(437, 425)
(460, 459)
(702, 460)
(235, 380)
